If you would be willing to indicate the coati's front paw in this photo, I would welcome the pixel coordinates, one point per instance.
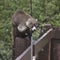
(21, 28)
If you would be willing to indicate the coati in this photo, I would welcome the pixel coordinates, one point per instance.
(23, 23)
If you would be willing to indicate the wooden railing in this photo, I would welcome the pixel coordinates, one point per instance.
(37, 46)
(42, 41)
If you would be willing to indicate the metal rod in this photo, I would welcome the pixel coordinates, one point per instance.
(31, 48)
(31, 35)
(31, 7)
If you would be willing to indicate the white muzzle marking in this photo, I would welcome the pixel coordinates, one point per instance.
(34, 28)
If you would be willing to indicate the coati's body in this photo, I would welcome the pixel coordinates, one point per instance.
(21, 18)
(22, 23)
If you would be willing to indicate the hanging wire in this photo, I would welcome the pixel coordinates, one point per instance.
(31, 7)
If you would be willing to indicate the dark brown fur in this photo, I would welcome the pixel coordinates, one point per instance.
(20, 17)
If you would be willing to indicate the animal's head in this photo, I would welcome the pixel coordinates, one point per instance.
(24, 21)
(30, 23)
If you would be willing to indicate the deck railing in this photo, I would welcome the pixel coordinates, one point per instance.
(37, 46)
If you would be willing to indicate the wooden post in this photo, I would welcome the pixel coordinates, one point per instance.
(20, 44)
(49, 55)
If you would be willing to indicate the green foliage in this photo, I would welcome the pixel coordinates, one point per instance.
(41, 9)
(44, 8)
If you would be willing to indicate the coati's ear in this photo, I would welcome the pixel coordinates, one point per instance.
(21, 28)
(36, 20)
(27, 22)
